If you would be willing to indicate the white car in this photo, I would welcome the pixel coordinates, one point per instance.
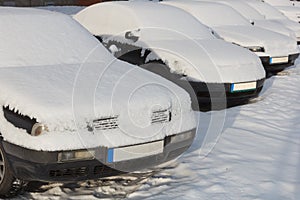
(259, 18)
(70, 111)
(142, 32)
(275, 50)
(274, 15)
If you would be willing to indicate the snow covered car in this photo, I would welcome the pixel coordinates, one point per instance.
(275, 50)
(291, 9)
(274, 15)
(259, 18)
(145, 32)
(70, 111)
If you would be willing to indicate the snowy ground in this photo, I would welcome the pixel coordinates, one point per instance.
(246, 152)
(256, 156)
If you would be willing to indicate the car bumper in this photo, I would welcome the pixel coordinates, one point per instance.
(219, 95)
(273, 68)
(31, 165)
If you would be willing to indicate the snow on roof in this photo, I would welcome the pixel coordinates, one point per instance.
(33, 37)
(244, 9)
(123, 16)
(266, 9)
(221, 15)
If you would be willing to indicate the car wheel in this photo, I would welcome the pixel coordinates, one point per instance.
(6, 177)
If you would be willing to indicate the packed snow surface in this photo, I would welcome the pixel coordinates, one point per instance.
(54, 70)
(186, 45)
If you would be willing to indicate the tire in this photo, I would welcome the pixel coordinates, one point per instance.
(6, 176)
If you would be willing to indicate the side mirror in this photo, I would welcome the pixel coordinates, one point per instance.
(131, 35)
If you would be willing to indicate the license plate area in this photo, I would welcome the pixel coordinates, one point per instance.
(135, 151)
(276, 60)
(242, 87)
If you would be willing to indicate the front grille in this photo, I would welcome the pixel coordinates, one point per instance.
(106, 123)
(161, 116)
(69, 172)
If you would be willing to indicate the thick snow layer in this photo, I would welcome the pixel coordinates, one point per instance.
(135, 15)
(212, 14)
(267, 10)
(274, 44)
(52, 69)
(276, 26)
(187, 46)
(260, 18)
(292, 13)
(283, 3)
(255, 155)
(202, 10)
(247, 11)
(71, 10)
(24, 45)
(275, 16)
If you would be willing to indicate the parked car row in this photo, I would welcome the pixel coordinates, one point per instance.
(114, 89)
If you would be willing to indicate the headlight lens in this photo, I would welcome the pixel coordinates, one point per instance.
(256, 49)
(181, 137)
(38, 129)
(76, 155)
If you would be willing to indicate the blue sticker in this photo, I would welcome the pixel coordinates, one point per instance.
(232, 87)
(110, 155)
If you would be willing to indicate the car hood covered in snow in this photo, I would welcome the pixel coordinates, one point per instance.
(210, 61)
(193, 52)
(275, 44)
(61, 76)
(275, 26)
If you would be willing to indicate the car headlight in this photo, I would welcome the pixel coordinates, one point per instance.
(76, 155)
(38, 129)
(25, 122)
(181, 137)
(256, 48)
